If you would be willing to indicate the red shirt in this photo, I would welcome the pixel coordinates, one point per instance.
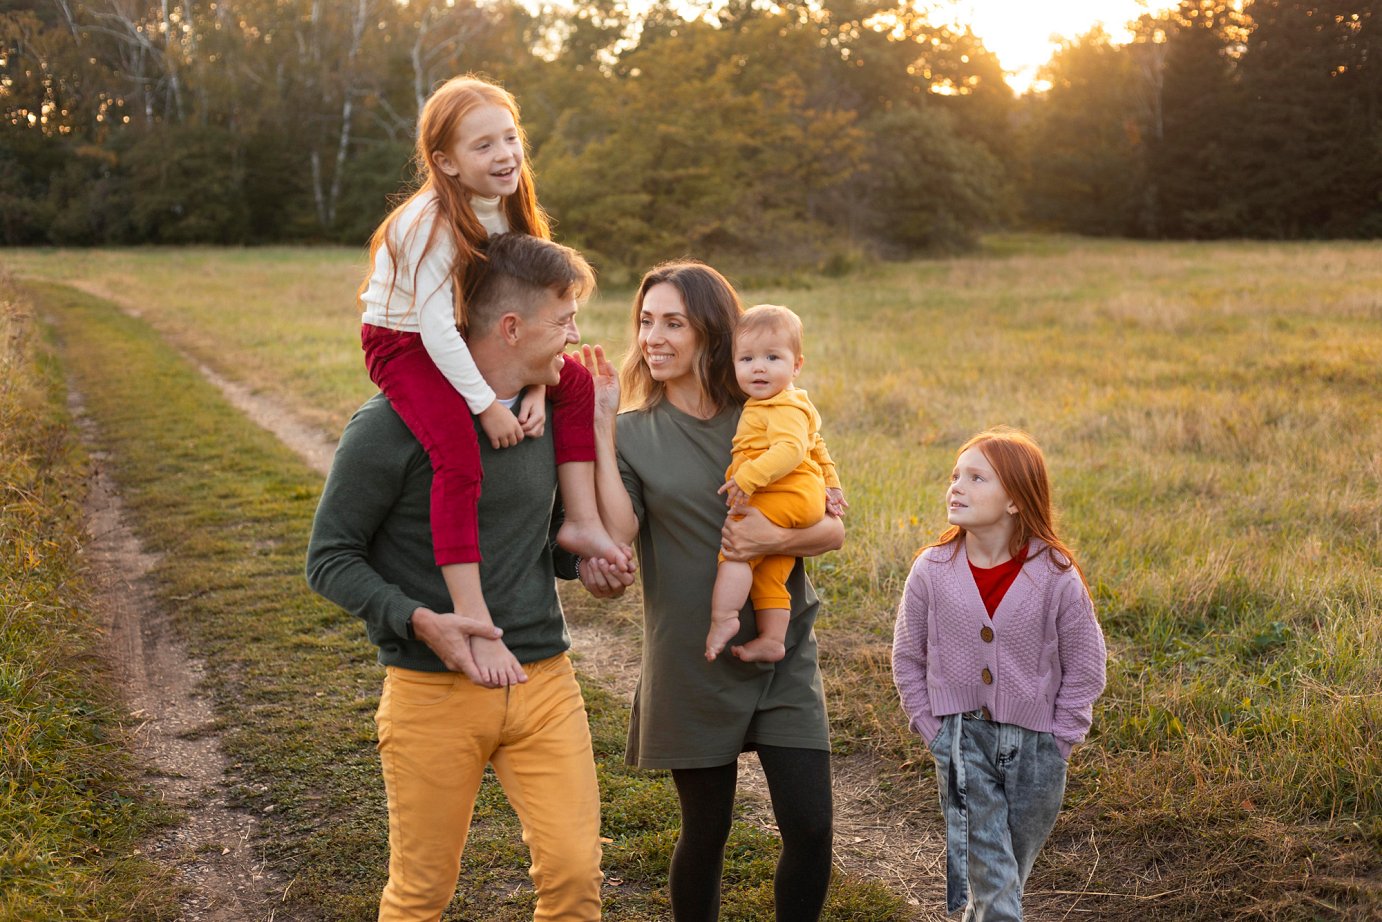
(993, 582)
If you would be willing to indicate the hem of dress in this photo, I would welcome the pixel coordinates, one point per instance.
(667, 763)
(786, 742)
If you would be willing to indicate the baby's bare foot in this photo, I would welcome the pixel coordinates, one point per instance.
(760, 650)
(721, 633)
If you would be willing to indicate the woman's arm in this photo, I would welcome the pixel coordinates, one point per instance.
(754, 536)
(616, 509)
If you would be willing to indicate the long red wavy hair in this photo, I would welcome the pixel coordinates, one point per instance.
(1021, 469)
(437, 126)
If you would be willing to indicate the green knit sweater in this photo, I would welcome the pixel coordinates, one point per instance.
(371, 547)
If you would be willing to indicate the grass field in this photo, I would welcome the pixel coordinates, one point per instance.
(1210, 414)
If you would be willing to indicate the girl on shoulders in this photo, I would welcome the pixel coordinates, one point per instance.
(425, 260)
(998, 658)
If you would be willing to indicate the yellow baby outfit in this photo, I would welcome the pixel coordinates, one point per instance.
(781, 461)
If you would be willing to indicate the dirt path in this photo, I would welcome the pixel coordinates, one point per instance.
(212, 850)
(902, 848)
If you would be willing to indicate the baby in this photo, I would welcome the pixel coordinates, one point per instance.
(781, 468)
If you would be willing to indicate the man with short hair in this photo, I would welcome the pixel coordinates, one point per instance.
(371, 553)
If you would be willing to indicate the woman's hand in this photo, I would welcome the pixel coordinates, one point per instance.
(606, 383)
(751, 535)
(602, 579)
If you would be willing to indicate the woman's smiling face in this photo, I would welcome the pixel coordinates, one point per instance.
(668, 342)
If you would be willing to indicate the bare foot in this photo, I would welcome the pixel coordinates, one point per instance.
(593, 541)
(494, 661)
(760, 650)
(721, 633)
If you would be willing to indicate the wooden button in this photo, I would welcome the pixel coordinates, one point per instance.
(987, 676)
(986, 632)
(988, 715)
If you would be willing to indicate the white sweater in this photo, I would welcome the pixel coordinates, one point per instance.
(418, 299)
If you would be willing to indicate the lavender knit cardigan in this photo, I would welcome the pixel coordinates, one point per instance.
(1044, 662)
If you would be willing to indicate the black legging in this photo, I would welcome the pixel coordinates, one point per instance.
(799, 782)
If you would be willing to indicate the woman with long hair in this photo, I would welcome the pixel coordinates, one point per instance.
(658, 467)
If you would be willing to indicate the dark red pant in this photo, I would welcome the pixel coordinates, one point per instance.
(439, 418)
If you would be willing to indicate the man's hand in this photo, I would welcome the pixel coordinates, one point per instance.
(448, 635)
(603, 579)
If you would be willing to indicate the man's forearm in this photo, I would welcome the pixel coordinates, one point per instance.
(346, 578)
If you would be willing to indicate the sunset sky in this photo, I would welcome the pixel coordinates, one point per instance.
(1023, 33)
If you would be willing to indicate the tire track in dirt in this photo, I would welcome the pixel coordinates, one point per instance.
(212, 849)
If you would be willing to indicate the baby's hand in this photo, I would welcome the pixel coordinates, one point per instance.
(734, 496)
(532, 411)
(495, 663)
(501, 426)
(835, 503)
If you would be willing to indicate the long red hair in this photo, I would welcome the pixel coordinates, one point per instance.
(1021, 469)
(436, 131)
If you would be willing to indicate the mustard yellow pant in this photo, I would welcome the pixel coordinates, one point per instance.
(437, 731)
(794, 501)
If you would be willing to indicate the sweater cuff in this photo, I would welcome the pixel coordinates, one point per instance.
(1064, 746)
(927, 726)
(481, 405)
(398, 615)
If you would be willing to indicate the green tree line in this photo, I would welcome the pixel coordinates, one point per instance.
(798, 133)
(1215, 121)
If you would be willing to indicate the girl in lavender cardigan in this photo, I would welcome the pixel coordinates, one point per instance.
(998, 658)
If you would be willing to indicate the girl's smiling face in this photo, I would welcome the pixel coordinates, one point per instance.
(976, 499)
(486, 153)
(666, 338)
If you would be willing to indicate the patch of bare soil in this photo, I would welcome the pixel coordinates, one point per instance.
(213, 848)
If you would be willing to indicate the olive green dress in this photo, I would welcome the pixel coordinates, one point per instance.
(689, 713)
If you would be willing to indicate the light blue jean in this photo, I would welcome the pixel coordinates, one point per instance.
(1000, 790)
